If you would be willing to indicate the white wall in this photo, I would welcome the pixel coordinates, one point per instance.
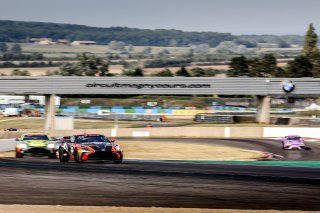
(64, 123)
(283, 131)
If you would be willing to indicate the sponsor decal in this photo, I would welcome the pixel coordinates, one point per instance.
(148, 86)
(288, 86)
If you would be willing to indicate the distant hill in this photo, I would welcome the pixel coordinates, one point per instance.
(20, 31)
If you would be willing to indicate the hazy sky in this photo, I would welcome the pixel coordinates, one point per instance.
(235, 16)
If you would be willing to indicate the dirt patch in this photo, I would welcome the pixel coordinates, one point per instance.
(6, 154)
(92, 209)
(154, 150)
(22, 123)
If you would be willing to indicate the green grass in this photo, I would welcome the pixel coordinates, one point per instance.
(95, 49)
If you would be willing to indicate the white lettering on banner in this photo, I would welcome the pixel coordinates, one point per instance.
(140, 134)
(147, 86)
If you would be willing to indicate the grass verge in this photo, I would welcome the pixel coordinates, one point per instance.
(38, 123)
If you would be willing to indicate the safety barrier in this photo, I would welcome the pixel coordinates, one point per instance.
(154, 110)
(201, 132)
(195, 132)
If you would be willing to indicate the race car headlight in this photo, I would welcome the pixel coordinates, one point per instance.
(117, 148)
(50, 146)
(22, 146)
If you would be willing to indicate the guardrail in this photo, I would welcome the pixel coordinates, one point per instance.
(195, 132)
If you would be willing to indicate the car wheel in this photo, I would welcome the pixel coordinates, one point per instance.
(18, 155)
(52, 156)
(118, 161)
(63, 158)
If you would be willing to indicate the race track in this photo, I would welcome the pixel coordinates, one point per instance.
(264, 145)
(167, 184)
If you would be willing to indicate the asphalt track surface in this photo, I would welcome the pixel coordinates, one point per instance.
(167, 184)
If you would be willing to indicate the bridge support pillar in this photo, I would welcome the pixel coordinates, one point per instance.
(50, 112)
(263, 109)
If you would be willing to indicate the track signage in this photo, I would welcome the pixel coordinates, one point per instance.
(288, 86)
(148, 86)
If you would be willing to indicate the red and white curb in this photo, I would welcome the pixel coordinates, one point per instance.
(264, 156)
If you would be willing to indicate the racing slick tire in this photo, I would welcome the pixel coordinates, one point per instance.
(118, 161)
(63, 158)
(19, 155)
(52, 156)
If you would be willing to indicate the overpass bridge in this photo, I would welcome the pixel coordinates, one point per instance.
(263, 88)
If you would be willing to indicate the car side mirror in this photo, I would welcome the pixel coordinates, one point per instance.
(112, 140)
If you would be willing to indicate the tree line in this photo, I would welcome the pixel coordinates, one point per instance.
(19, 31)
(307, 64)
(90, 65)
(27, 64)
(15, 53)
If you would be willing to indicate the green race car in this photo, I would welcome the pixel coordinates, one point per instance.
(35, 144)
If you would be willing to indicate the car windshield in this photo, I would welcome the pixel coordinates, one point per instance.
(36, 137)
(98, 138)
(293, 138)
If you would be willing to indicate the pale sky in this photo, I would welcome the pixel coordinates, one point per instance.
(234, 16)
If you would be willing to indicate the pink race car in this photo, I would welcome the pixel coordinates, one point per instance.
(293, 142)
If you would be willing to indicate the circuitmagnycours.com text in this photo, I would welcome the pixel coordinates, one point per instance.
(148, 86)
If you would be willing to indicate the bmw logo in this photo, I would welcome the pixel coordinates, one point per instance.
(288, 86)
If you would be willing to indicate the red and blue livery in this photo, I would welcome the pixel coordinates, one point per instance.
(86, 147)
